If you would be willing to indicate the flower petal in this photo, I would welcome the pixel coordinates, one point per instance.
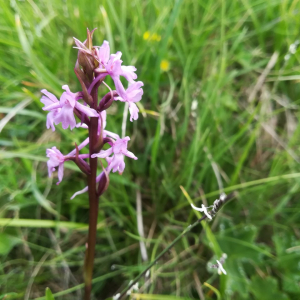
(86, 188)
(131, 155)
(49, 97)
(119, 88)
(81, 146)
(60, 174)
(121, 167)
(129, 73)
(104, 52)
(134, 111)
(79, 44)
(90, 112)
(135, 86)
(109, 133)
(82, 125)
(80, 192)
(52, 106)
(103, 153)
(66, 117)
(50, 119)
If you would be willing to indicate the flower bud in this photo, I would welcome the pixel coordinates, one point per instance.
(82, 165)
(103, 182)
(86, 96)
(87, 56)
(107, 100)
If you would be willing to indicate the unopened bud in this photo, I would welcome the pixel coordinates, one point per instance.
(107, 100)
(86, 96)
(103, 183)
(86, 56)
(82, 165)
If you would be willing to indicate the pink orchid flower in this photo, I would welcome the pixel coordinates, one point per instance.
(119, 150)
(56, 159)
(131, 95)
(64, 109)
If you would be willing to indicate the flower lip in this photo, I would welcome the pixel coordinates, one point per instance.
(56, 159)
(51, 103)
(118, 151)
(132, 95)
(103, 53)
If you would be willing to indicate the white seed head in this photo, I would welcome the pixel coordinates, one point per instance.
(202, 209)
(135, 287)
(194, 105)
(117, 296)
(293, 48)
(223, 196)
(221, 269)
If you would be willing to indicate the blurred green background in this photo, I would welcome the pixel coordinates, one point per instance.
(220, 103)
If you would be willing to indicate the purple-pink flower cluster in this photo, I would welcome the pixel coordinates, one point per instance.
(93, 65)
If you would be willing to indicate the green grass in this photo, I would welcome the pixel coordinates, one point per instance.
(217, 51)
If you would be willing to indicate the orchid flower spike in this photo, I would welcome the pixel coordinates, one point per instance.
(93, 64)
(202, 209)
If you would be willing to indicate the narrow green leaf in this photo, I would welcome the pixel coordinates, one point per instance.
(32, 223)
(49, 295)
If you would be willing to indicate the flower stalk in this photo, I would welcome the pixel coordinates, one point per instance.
(93, 211)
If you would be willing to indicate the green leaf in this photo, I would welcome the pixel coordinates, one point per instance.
(7, 242)
(237, 280)
(241, 244)
(291, 283)
(49, 295)
(266, 288)
(288, 254)
(42, 200)
(32, 223)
